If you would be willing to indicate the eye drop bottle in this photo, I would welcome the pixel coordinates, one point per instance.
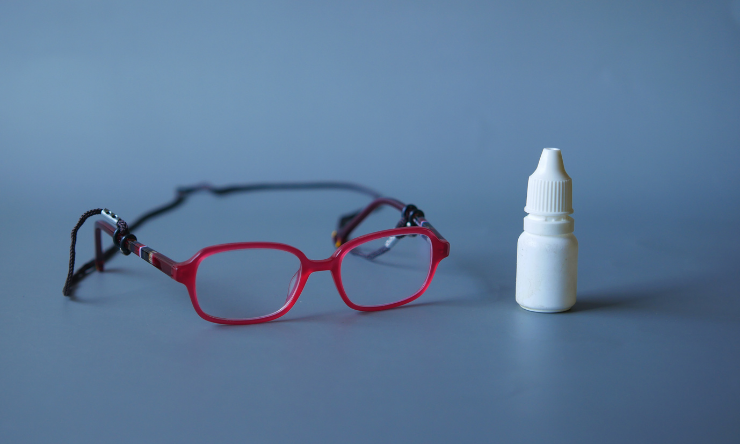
(547, 251)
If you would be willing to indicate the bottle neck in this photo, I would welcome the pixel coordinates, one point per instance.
(549, 225)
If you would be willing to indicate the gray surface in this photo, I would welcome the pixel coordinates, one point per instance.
(444, 105)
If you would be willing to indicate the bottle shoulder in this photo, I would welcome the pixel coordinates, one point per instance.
(558, 239)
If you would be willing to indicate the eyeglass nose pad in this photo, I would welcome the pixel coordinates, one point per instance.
(293, 284)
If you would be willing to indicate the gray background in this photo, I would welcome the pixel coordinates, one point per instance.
(446, 105)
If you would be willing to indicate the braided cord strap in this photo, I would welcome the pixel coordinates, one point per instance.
(67, 290)
(123, 236)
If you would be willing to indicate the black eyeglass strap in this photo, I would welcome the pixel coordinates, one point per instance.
(123, 234)
(121, 237)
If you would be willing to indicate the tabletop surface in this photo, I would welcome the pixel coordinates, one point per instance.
(446, 106)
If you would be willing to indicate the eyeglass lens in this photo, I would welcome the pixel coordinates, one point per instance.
(245, 284)
(386, 270)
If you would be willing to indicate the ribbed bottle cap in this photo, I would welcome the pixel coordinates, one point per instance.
(550, 189)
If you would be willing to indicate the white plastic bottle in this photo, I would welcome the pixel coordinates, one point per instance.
(547, 252)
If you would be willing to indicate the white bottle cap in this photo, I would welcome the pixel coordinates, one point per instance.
(550, 189)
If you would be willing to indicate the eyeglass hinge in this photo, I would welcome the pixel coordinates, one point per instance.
(121, 230)
(408, 215)
(113, 217)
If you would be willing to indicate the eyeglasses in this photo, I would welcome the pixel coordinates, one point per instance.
(254, 282)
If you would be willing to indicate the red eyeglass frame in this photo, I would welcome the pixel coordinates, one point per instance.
(185, 272)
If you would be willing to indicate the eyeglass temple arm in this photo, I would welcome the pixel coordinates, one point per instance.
(159, 260)
(349, 222)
